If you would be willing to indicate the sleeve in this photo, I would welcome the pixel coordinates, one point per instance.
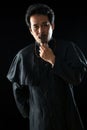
(70, 64)
(16, 75)
(21, 96)
(16, 71)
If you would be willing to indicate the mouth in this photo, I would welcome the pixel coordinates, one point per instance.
(43, 39)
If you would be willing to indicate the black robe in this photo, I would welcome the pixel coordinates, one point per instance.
(45, 94)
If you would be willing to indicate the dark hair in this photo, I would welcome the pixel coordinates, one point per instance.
(39, 9)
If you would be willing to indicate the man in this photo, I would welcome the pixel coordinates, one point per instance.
(43, 75)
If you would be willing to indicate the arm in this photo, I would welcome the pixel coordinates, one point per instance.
(70, 63)
(21, 96)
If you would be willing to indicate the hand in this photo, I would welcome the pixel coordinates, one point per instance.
(47, 54)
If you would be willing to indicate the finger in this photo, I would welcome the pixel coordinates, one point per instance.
(41, 44)
(42, 47)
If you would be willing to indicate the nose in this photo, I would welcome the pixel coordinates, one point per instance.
(40, 29)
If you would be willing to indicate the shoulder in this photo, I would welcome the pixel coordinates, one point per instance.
(66, 48)
(26, 51)
(24, 54)
(63, 45)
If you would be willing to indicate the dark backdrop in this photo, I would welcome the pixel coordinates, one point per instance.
(70, 24)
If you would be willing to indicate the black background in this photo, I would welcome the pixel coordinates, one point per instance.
(70, 24)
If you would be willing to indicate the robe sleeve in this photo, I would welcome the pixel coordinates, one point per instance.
(21, 96)
(70, 63)
(16, 71)
(16, 75)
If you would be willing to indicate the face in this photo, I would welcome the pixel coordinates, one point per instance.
(41, 28)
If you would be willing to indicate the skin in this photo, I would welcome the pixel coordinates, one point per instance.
(41, 29)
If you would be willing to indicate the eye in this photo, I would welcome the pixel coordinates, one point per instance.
(45, 24)
(35, 27)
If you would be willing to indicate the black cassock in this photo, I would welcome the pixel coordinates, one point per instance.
(45, 94)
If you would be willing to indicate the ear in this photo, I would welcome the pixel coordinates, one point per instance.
(30, 30)
(53, 26)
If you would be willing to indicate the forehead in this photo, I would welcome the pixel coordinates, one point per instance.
(38, 19)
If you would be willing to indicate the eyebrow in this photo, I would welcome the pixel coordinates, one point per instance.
(41, 23)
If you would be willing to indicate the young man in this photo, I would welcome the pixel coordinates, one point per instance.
(43, 75)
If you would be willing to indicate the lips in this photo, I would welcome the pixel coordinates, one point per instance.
(43, 39)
